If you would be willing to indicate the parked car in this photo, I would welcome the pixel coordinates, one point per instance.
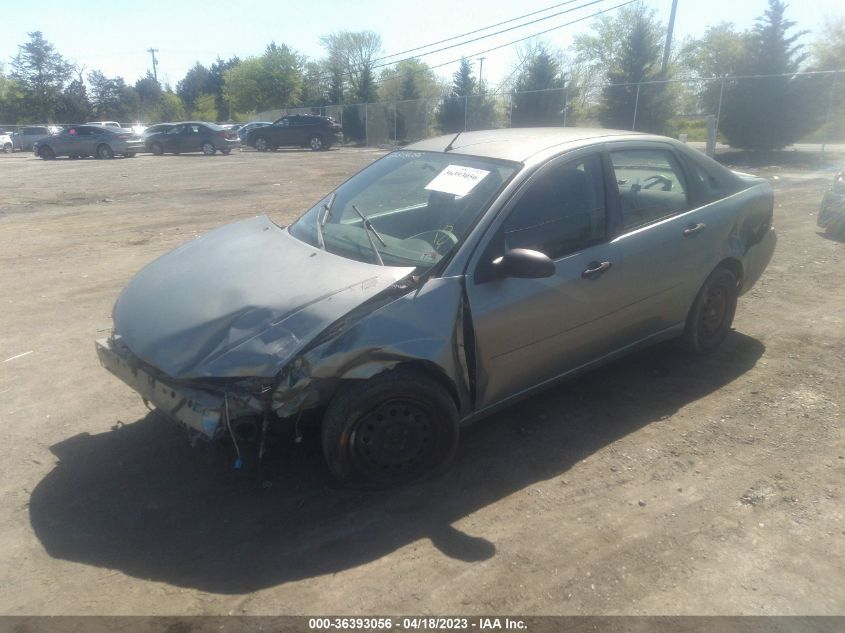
(24, 138)
(6, 142)
(296, 130)
(439, 284)
(192, 136)
(81, 141)
(832, 212)
(155, 129)
(246, 127)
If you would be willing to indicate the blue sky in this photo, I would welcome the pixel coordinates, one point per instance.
(113, 35)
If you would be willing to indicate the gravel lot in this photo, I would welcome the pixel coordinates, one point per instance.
(660, 484)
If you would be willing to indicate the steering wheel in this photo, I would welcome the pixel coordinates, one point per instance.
(451, 239)
(657, 178)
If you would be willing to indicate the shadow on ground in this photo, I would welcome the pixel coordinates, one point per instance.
(141, 501)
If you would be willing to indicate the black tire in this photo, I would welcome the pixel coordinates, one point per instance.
(397, 427)
(712, 313)
(8, 148)
(316, 143)
(47, 153)
(208, 148)
(262, 143)
(104, 152)
(157, 149)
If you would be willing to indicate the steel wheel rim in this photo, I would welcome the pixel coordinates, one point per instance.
(395, 438)
(714, 311)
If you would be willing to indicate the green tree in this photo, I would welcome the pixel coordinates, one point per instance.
(635, 57)
(828, 52)
(205, 108)
(351, 59)
(192, 85)
(271, 81)
(149, 98)
(466, 106)
(74, 105)
(41, 74)
(538, 98)
(214, 85)
(770, 112)
(719, 52)
(171, 108)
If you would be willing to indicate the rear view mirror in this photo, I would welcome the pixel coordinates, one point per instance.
(525, 264)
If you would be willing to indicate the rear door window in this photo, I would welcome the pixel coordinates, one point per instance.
(651, 185)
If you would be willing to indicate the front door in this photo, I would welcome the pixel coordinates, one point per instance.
(529, 331)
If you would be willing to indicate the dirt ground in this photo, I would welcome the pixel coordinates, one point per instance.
(659, 484)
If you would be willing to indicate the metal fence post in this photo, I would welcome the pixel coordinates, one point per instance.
(466, 111)
(366, 127)
(719, 107)
(829, 113)
(564, 105)
(395, 124)
(636, 105)
(510, 113)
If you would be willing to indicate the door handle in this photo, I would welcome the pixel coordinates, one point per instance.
(692, 229)
(596, 269)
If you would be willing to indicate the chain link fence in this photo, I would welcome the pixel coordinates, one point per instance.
(678, 107)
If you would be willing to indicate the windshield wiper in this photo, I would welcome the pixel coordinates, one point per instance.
(321, 242)
(369, 228)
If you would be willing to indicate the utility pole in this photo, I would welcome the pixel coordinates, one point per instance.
(668, 45)
(153, 51)
(480, 71)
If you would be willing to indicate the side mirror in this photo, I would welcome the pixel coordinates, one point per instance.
(525, 264)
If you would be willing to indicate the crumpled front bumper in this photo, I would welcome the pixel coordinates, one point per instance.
(199, 409)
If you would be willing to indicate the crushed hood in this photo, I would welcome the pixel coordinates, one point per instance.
(240, 301)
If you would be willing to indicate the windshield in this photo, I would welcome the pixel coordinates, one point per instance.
(408, 209)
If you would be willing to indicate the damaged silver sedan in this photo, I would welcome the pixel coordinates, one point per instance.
(439, 284)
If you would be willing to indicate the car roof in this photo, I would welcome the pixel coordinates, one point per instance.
(520, 144)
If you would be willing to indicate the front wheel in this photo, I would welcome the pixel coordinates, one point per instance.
(7, 148)
(208, 149)
(397, 427)
(316, 143)
(712, 313)
(47, 153)
(157, 149)
(262, 144)
(104, 152)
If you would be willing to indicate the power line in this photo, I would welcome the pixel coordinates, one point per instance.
(522, 39)
(482, 37)
(484, 28)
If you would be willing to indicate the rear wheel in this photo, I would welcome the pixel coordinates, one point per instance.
(7, 148)
(47, 153)
(397, 427)
(157, 149)
(208, 149)
(262, 144)
(104, 152)
(316, 143)
(712, 313)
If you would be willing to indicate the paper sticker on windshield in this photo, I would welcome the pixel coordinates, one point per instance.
(457, 180)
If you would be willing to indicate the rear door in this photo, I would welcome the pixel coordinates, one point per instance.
(664, 240)
(172, 139)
